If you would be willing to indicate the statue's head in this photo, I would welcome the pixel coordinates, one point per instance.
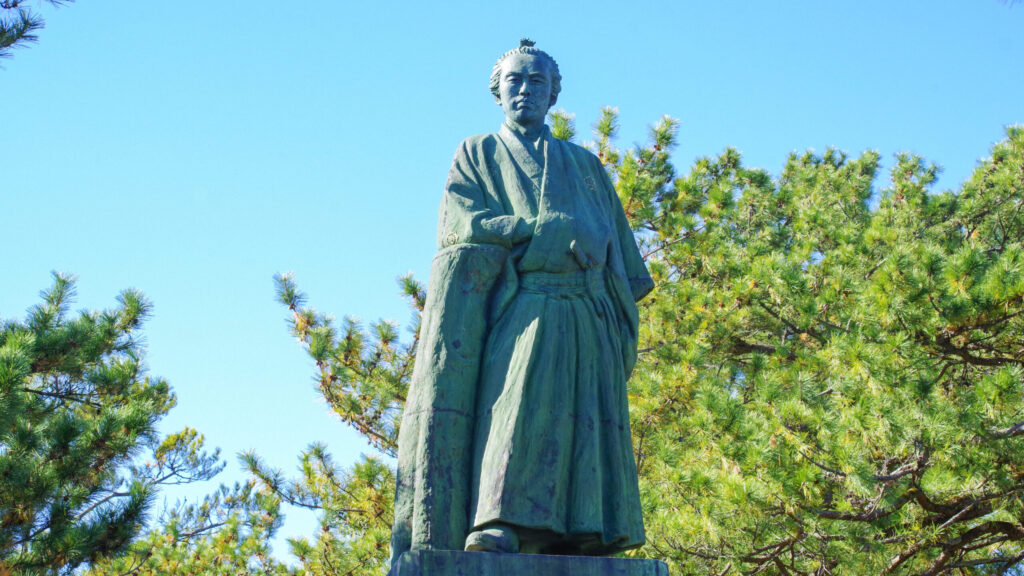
(525, 81)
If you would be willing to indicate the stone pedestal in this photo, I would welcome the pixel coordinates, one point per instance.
(457, 563)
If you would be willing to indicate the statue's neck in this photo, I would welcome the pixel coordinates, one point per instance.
(532, 133)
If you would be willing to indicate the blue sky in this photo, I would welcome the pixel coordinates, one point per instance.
(194, 153)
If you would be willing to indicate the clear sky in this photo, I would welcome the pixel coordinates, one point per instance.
(193, 153)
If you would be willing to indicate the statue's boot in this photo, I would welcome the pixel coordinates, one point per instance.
(496, 538)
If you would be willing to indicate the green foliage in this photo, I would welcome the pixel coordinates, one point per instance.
(356, 507)
(228, 533)
(363, 374)
(19, 23)
(830, 377)
(828, 387)
(563, 125)
(76, 409)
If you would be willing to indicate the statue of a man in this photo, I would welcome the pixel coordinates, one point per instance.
(516, 435)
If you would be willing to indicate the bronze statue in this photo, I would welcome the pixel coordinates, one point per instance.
(516, 432)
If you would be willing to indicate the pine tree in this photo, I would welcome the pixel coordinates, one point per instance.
(19, 23)
(831, 381)
(830, 375)
(77, 412)
(356, 511)
(363, 373)
(226, 534)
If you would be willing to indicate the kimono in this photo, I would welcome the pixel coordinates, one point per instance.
(517, 407)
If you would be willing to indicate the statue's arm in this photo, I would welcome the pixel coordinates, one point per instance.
(471, 209)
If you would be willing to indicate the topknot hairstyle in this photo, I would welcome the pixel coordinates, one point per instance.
(526, 46)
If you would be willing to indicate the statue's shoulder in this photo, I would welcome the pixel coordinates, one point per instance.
(479, 141)
(583, 156)
(477, 147)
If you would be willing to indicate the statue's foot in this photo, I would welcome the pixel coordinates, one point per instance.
(497, 538)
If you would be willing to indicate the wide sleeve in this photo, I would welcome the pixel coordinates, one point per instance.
(435, 441)
(639, 279)
(472, 210)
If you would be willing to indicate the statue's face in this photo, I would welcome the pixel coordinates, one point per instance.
(525, 88)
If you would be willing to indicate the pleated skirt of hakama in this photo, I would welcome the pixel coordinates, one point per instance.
(553, 452)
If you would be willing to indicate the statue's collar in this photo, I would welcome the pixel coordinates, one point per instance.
(507, 132)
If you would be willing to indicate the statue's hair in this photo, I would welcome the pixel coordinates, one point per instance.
(526, 47)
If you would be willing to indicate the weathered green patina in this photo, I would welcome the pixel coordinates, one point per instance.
(516, 430)
(455, 563)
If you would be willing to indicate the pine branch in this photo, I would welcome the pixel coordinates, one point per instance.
(20, 28)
